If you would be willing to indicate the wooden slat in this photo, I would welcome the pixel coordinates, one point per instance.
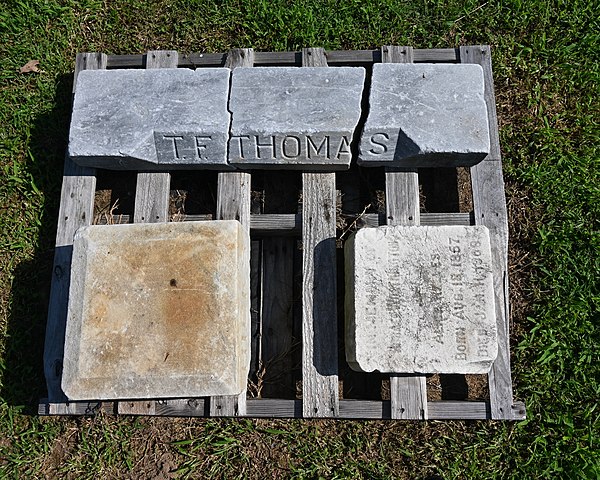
(75, 408)
(489, 204)
(274, 408)
(152, 197)
(255, 309)
(203, 60)
(320, 397)
(233, 203)
(402, 197)
(170, 407)
(279, 224)
(408, 393)
(334, 57)
(76, 210)
(277, 295)
(371, 409)
(152, 188)
(278, 58)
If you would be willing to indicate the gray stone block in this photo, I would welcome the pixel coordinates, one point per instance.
(420, 300)
(158, 310)
(156, 118)
(425, 115)
(294, 117)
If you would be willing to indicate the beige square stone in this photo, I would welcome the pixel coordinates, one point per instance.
(158, 310)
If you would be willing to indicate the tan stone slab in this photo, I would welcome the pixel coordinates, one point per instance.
(158, 310)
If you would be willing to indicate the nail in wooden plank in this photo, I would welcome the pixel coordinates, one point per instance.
(233, 203)
(408, 393)
(489, 204)
(320, 397)
(76, 210)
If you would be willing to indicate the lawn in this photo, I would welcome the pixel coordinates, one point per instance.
(546, 67)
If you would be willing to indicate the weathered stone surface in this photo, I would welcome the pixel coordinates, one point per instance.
(425, 115)
(158, 310)
(294, 117)
(420, 300)
(157, 118)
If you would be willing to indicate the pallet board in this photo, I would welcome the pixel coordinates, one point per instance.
(296, 227)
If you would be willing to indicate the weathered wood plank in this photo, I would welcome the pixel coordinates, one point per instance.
(137, 407)
(233, 197)
(76, 210)
(489, 204)
(371, 409)
(152, 197)
(273, 408)
(75, 408)
(152, 188)
(277, 315)
(334, 57)
(169, 407)
(320, 397)
(277, 294)
(233, 203)
(279, 224)
(402, 197)
(256, 307)
(408, 393)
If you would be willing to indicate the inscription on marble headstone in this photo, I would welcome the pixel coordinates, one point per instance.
(420, 300)
(294, 117)
(291, 148)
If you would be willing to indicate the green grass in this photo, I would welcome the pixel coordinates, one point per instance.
(545, 57)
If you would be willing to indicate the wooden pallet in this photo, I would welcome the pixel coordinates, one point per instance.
(294, 289)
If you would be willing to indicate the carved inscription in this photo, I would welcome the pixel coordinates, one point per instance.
(426, 297)
(290, 148)
(183, 147)
(475, 273)
(378, 143)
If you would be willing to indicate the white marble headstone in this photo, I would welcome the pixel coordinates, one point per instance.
(420, 300)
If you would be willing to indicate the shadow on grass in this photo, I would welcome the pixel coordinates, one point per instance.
(23, 382)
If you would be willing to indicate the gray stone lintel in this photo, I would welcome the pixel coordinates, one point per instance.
(156, 118)
(420, 300)
(290, 117)
(425, 115)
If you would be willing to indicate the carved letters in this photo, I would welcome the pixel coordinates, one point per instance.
(257, 148)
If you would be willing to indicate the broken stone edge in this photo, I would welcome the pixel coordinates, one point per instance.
(129, 161)
(423, 158)
(314, 165)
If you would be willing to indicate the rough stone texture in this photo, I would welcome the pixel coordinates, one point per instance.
(425, 115)
(420, 300)
(135, 119)
(294, 117)
(158, 310)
